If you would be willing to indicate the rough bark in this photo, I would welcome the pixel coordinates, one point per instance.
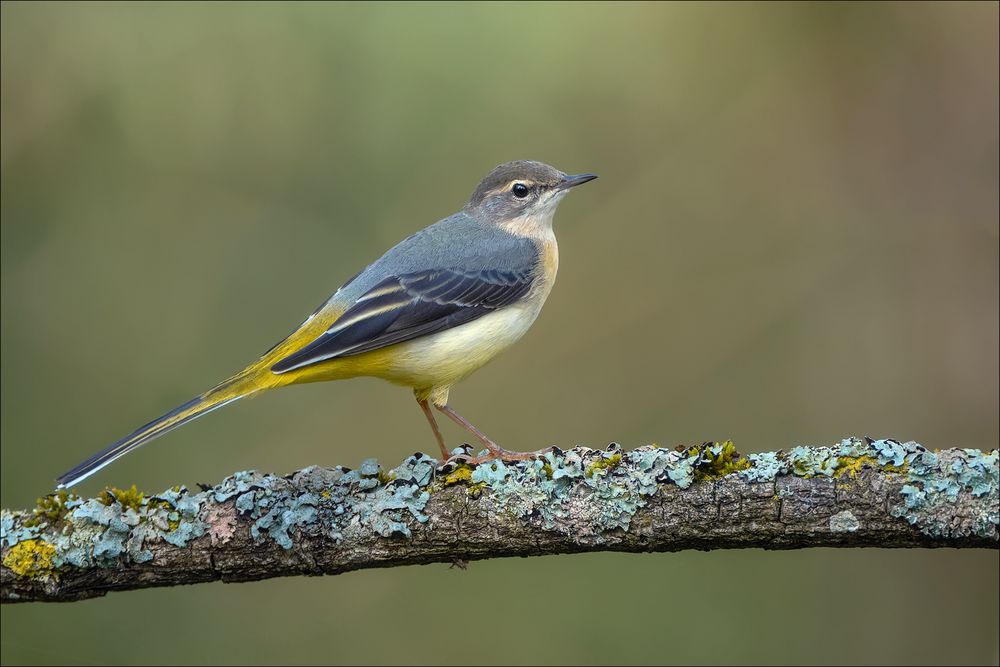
(861, 493)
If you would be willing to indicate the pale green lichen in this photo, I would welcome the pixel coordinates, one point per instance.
(813, 461)
(16, 527)
(117, 523)
(844, 522)
(539, 489)
(603, 489)
(937, 481)
(603, 466)
(847, 459)
(764, 467)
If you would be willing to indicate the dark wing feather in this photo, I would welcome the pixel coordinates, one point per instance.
(405, 307)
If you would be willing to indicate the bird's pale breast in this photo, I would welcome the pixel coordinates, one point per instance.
(431, 364)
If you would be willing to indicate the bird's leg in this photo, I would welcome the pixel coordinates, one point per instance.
(434, 427)
(495, 450)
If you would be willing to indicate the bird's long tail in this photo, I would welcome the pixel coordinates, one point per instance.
(229, 391)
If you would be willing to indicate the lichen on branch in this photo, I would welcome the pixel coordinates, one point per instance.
(860, 492)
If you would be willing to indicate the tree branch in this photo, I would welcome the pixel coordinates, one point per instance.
(859, 493)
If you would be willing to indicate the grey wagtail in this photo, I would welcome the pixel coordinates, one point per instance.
(426, 314)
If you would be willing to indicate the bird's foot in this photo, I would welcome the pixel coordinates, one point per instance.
(494, 453)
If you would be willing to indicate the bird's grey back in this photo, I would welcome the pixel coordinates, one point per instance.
(456, 242)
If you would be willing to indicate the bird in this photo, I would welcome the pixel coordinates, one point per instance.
(431, 310)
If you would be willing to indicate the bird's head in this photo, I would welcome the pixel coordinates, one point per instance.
(522, 194)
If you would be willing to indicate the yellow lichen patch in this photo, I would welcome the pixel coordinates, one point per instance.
(385, 477)
(132, 497)
(714, 466)
(902, 470)
(547, 469)
(852, 465)
(462, 473)
(31, 559)
(607, 464)
(51, 508)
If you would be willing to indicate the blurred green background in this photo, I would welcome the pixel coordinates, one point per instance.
(794, 239)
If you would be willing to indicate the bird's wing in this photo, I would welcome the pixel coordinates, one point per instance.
(410, 305)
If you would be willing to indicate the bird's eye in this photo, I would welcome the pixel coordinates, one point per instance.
(520, 190)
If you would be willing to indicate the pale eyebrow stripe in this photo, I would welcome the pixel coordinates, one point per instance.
(507, 186)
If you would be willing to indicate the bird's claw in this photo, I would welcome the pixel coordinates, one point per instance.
(499, 453)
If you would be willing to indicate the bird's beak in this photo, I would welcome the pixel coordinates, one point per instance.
(574, 180)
